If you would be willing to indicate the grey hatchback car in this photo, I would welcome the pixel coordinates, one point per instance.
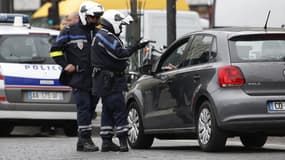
(211, 85)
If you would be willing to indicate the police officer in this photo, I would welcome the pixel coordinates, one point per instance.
(110, 58)
(72, 51)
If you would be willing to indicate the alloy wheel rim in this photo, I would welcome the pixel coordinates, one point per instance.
(204, 126)
(133, 120)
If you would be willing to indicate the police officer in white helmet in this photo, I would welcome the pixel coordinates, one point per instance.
(109, 58)
(72, 51)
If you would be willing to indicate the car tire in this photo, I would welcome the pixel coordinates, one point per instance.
(253, 141)
(210, 137)
(136, 137)
(5, 130)
(70, 130)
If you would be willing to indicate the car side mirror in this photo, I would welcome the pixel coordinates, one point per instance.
(162, 48)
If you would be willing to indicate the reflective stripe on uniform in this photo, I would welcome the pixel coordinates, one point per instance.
(56, 53)
(84, 130)
(121, 129)
(84, 126)
(106, 128)
(106, 133)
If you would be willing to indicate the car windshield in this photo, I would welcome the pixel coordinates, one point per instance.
(25, 48)
(248, 49)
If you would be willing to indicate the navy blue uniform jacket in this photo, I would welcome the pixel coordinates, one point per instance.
(73, 46)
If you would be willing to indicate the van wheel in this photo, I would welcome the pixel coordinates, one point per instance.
(136, 137)
(70, 130)
(253, 141)
(5, 130)
(210, 137)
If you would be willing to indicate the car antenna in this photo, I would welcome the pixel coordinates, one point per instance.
(265, 26)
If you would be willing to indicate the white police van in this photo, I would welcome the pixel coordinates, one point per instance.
(30, 92)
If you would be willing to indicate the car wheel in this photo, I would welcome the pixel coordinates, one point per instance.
(70, 130)
(5, 130)
(253, 141)
(210, 137)
(136, 137)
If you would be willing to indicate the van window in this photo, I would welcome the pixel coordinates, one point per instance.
(25, 48)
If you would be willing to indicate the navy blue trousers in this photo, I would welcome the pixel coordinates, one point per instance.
(114, 116)
(86, 105)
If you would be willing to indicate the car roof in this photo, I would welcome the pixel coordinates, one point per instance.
(25, 30)
(236, 31)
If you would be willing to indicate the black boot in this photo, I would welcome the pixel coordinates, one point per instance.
(123, 145)
(85, 144)
(109, 145)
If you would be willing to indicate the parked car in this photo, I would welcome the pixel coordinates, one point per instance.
(211, 85)
(30, 92)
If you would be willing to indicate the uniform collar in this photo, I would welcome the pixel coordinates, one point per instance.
(86, 27)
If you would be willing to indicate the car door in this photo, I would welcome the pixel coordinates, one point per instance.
(182, 82)
(160, 113)
(196, 72)
(191, 74)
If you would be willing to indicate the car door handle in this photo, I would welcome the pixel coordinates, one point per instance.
(196, 77)
(165, 79)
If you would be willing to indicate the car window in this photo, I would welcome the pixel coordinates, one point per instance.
(176, 56)
(24, 48)
(258, 49)
(202, 50)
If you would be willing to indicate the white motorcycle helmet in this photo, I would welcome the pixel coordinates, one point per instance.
(113, 21)
(89, 8)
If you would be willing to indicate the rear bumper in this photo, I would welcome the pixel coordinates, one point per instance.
(270, 125)
(41, 107)
(243, 113)
(37, 115)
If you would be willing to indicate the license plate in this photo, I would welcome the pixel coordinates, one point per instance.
(276, 106)
(37, 95)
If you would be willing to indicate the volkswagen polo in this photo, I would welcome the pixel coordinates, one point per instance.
(211, 85)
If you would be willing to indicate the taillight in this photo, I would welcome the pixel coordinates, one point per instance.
(230, 76)
(1, 75)
(3, 99)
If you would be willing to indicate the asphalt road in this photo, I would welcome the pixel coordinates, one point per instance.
(60, 147)
(32, 143)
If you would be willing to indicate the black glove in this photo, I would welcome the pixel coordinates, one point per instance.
(142, 44)
(138, 46)
(65, 77)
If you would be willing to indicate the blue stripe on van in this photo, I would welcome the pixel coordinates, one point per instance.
(9, 80)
